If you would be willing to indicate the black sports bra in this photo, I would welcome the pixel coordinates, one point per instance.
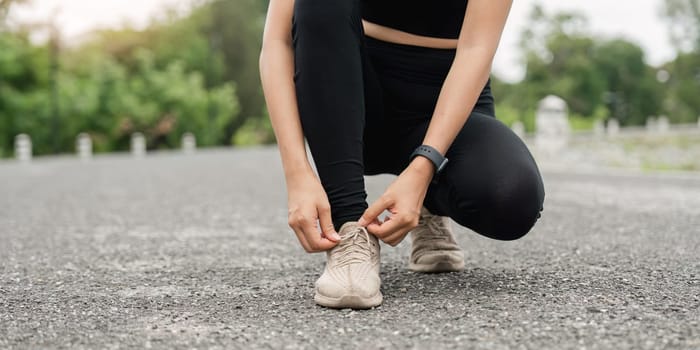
(439, 18)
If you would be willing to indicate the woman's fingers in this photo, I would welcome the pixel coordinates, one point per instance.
(314, 237)
(327, 228)
(386, 229)
(309, 235)
(393, 230)
(396, 238)
(374, 210)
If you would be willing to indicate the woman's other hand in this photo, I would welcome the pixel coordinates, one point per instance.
(309, 209)
(403, 199)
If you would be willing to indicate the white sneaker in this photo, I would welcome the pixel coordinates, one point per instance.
(434, 247)
(351, 277)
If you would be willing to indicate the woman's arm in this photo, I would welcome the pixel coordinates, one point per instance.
(277, 75)
(478, 41)
(481, 32)
(306, 198)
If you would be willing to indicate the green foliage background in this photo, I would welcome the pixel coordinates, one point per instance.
(198, 72)
(183, 73)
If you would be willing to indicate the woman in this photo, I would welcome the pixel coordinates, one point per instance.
(399, 87)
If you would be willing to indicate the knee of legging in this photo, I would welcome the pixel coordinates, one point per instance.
(506, 210)
(321, 17)
(516, 206)
(509, 224)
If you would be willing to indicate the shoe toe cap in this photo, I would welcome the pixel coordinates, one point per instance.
(366, 287)
(363, 284)
(331, 287)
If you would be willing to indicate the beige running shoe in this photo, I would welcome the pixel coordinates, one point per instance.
(351, 277)
(434, 246)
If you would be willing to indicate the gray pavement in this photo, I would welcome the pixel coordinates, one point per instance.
(177, 251)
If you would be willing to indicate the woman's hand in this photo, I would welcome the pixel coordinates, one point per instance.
(403, 199)
(309, 208)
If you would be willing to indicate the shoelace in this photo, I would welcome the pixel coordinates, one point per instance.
(436, 228)
(349, 251)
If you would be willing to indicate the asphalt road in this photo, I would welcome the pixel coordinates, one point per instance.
(176, 251)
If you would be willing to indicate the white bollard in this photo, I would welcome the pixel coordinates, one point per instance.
(552, 127)
(598, 128)
(83, 144)
(663, 125)
(519, 129)
(613, 127)
(651, 125)
(138, 145)
(189, 143)
(23, 148)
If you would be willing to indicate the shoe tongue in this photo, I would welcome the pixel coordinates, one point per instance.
(353, 233)
(426, 219)
(348, 228)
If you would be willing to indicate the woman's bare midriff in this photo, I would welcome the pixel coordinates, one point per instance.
(383, 33)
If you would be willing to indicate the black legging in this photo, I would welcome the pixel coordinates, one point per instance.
(365, 105)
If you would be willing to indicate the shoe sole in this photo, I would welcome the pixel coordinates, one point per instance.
(437, 267)
(349, 301)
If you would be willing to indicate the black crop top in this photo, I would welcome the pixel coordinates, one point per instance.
(439, 18)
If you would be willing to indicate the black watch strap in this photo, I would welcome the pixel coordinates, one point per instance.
(433, 155)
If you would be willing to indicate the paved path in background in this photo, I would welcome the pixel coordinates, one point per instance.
(177, 251)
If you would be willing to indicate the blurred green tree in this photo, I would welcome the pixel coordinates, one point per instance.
(682, 102)
(164, 80)
(219, 39)
(236, 29)
(162, 103)
(24, 95)
(598, 78)
(99, 95)
(632, 90)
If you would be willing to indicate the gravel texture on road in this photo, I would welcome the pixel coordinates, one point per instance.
(176, 251)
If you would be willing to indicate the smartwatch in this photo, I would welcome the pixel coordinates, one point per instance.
(433, 155)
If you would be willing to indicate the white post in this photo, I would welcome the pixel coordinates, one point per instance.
(138, 145)
(189, 143)
(598, 128)
(651, 125)
(613, 127)
(552, 125)
(519, 129)
(23, 148)
(83, 145)
(663, 124)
